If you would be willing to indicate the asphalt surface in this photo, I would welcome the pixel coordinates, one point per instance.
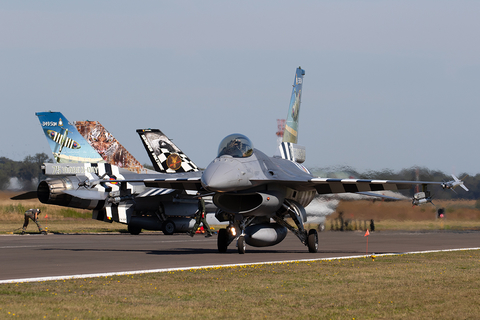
(54, 255)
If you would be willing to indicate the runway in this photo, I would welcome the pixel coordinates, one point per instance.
(57, 255)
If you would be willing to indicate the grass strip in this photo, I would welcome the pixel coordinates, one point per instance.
(419, 286)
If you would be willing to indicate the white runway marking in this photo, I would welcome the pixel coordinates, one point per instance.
(10, 247)
(109, 274)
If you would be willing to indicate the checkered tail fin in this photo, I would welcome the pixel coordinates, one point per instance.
(166, 157)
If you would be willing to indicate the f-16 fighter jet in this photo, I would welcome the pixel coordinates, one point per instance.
(260, 197)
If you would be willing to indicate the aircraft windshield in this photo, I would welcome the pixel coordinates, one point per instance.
(236, 145)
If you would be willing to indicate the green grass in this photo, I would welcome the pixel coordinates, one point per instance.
(420, 286)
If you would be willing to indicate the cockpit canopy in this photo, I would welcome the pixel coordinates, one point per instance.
(236, 145)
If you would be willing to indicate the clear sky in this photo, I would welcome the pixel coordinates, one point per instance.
(388, 84)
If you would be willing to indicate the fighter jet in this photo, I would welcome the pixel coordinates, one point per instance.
(455, 183)
(163, 209)
(260, 197)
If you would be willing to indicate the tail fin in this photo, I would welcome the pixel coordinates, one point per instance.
(291, 127)
(66, 143)
(107, 146)
(166, 157)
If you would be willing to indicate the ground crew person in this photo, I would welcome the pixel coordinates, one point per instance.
(201, 217)
(32, 214)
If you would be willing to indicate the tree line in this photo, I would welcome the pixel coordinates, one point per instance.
(27, 173)
(22, 175)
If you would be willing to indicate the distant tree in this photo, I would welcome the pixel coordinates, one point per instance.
(28, 171)
(4, 180)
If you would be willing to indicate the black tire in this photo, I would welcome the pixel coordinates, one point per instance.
(168, 227)
(241, 246)
(134, 229)
(222, 240)
(312, 241)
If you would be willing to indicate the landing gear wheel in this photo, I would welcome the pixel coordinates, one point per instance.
(241, 246)
(168, 227)
(133, 229)
(222, 240)
(312, 241)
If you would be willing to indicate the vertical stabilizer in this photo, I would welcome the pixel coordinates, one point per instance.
(66, 143)
(107, 146)
(166, 157)
(291, 127)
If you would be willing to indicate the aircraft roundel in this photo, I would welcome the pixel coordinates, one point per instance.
(174, 161)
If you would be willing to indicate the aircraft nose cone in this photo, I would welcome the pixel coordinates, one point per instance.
(225, 174)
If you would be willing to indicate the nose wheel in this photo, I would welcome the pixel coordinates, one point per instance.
(241, 246)
(312, 241)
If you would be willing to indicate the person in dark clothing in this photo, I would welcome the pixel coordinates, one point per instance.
(32, 214)
(201, 217)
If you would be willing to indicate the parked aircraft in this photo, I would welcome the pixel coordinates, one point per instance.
(258, 195)
(167, 212)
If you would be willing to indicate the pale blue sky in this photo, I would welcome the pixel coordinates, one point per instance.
(388, 84)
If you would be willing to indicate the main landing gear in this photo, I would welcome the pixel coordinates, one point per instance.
(225, 237)
(236, 230)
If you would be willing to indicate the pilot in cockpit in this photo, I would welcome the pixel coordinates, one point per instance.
(236, 145)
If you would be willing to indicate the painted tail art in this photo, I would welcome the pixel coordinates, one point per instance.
(85, 142)
(166, 157)
(289, 148)
(66, 143)
(107, 146)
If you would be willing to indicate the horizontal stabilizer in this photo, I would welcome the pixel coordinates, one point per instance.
(25, 196)
(151, 192)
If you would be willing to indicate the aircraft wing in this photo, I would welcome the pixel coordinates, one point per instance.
(25, 196)
(327, 185)
(322, 185)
